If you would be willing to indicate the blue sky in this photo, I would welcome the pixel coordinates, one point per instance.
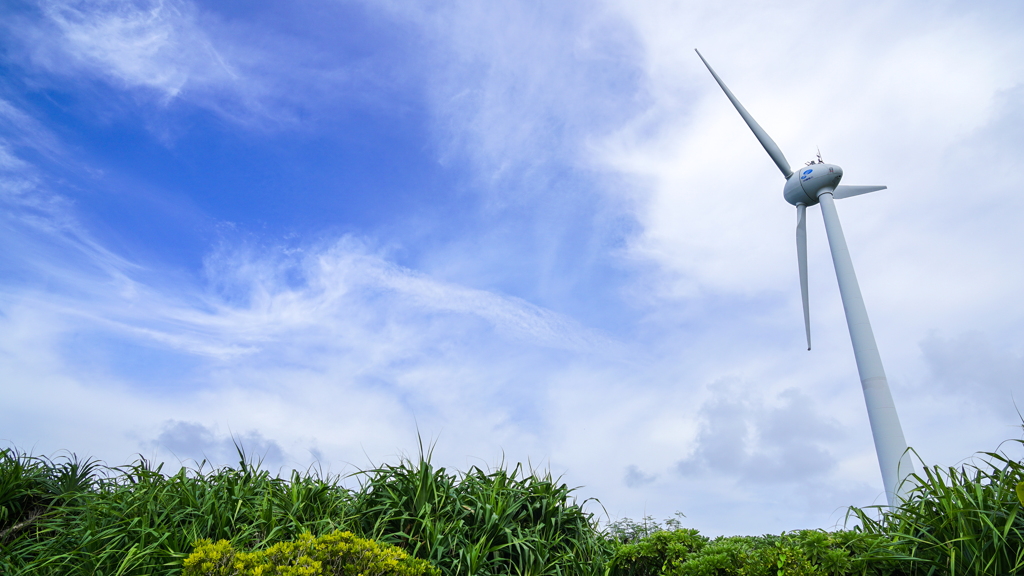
(531, 230)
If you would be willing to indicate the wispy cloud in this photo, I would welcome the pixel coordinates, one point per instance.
(259, 298)
(522, 109)
(166, 52)
(157, 45)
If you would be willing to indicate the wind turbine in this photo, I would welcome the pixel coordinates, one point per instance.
(818, 183)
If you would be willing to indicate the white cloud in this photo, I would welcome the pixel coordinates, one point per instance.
(152, 44)
(519, 88)
(743, 438)
(169, 52)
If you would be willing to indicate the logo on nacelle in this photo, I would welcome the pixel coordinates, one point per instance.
(806, 174)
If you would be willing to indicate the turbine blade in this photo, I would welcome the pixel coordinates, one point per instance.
(801, 258)
(769, 145)
(843, 191)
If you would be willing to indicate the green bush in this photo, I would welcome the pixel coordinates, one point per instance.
(799, 553)
(654, 554)
(840, 553)
(334, 554)
(721, 557)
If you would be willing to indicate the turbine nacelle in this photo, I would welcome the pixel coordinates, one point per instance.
(806, 184)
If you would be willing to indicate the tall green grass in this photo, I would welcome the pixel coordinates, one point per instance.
(66, 516)
(958, 520)
(72, 517)
(480, 522)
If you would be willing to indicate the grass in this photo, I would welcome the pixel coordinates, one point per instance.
(65, 515)
(68, 516)
(506, 521)
(73, 517)
(959, 520)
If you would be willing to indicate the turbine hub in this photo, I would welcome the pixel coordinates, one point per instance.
(804, 186)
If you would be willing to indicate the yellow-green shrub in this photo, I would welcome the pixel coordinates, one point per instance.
(335, 554)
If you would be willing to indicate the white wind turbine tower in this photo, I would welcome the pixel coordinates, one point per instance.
(818, 183)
